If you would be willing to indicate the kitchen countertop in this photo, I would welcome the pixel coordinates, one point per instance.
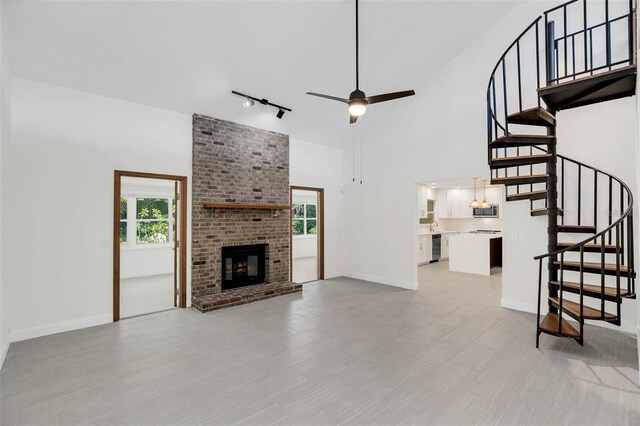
(485, 236)
(497, 235)
(440, 232)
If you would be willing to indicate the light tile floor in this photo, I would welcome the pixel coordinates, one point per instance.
(305, 269)
(343, 352)
(144, 295)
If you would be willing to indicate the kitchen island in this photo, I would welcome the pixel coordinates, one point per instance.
(475, 253)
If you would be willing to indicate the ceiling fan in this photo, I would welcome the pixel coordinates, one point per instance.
(358, 101)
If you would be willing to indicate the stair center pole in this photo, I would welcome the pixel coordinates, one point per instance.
(552, 213)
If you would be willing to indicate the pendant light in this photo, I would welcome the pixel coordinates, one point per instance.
(475, 203)
(484, 203)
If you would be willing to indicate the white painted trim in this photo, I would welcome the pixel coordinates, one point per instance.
(385, 281)
(4, 349)
(60, 327)
(626, 327)
(519, 306)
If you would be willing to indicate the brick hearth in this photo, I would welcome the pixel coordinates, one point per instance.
(240, 296)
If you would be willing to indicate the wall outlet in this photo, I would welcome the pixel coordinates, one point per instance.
(103, 241)
(515, 236)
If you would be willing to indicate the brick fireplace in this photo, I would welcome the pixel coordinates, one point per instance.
(235, 164)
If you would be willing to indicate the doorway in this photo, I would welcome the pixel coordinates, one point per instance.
(307, 234)
(149, 243)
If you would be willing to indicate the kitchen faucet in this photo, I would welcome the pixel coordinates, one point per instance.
(433, 225)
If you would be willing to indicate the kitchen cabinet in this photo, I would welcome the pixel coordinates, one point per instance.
(424, 249)
(457, 203)
(494, 196)
(426, 202)
(444, 249)
(442, 206)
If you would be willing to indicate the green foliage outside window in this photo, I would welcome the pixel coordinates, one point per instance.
(303, 219)
(152, 224)
(123, 220)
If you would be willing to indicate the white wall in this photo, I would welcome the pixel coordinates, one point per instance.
(65, 147)
(5, 133)
(439, 134)
(638, 186)
(321, 167)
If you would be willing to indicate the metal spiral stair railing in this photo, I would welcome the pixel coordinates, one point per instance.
(529, 161)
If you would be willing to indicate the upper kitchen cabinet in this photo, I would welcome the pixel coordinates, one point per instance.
(426, 202)
(456, 203)
(442, 206)
(494, 196)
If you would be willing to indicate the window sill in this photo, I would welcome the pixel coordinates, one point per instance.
(305, 237)
(146, 247)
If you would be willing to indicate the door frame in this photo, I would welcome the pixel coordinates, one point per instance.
(182, 238)
(320, 192)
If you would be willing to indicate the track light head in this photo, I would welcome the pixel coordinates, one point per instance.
(280, 113)
(248, 103)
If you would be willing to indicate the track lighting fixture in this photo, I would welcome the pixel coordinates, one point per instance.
(251, 100)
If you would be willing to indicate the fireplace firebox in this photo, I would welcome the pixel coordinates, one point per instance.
(243, 266)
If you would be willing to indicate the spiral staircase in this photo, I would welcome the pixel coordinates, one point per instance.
(573, 55)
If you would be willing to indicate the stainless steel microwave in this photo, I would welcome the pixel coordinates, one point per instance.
(491, 211)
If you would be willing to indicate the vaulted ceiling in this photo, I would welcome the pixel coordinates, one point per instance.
(188, 56)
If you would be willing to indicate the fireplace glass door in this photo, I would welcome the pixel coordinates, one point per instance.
(242, 266)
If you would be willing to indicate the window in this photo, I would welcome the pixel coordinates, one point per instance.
(304, 220)
(152, 220)
(146, 221)
(123, 221)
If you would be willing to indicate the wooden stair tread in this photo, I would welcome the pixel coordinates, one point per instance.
(549, 325)
(519, 160)
(591, 288)
(600, 87)
(520, 180)
(542, 211)
(591, 247)
(587, 311)
(533, 116)
(533, 195)
(524, 157)
(583, 229)
(522, 140)
(594, 265)
(629, 69)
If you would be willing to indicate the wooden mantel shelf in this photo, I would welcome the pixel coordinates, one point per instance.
(245, 206)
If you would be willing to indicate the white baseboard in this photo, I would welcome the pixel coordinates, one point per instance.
(382, 280)
(626, 326)
(60, 327)
(4, 349)
(519, 306)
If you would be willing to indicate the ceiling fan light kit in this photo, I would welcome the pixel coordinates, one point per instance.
(358, 100)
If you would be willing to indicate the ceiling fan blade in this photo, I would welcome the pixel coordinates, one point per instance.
(389, 96)
(352, 118)
(333, 98)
